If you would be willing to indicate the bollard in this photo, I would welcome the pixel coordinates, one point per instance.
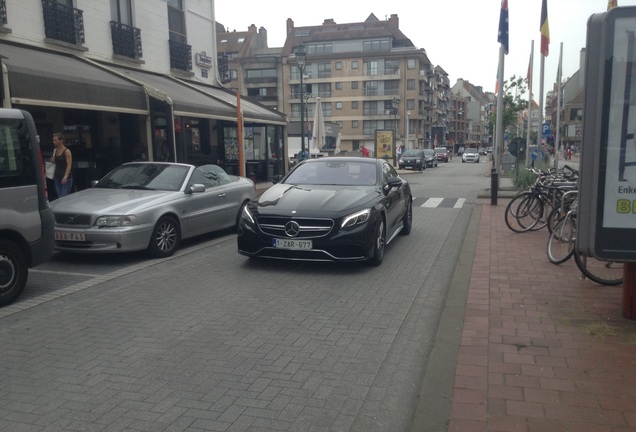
(494, 186)
(629, 291)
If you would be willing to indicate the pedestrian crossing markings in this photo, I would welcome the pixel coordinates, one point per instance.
(439, 202)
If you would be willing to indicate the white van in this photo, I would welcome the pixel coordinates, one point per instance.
(26, 220)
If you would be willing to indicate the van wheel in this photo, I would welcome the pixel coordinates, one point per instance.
(165, 238)
(14, 272)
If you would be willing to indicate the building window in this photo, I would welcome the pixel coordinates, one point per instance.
(338, 65)
(410, 104)
(354, 64)
(355, 145)
(354, 124)
(354, 105)
(126, 38)
(338, 86)
(410, 64)
(338, 105)
(410, 84)
(354, 85)
(377, 45)
(260, 73)
(324, 70)
(326, 48)
(176, 21)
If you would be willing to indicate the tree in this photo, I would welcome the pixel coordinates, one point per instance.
(514, 102)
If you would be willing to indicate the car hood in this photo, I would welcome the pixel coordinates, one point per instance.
(110, 201)
(311, 199)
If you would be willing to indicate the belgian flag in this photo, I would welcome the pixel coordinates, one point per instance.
(545, 30)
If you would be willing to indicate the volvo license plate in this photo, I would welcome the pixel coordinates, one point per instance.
(292, 244)
(70, 236)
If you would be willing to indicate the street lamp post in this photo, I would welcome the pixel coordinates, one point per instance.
(301, 57)
(395, 103)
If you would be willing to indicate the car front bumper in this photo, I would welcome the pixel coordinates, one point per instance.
(103, 240)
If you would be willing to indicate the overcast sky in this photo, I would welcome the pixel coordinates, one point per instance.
(458, 35)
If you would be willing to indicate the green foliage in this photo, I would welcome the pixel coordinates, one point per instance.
(524, 178)
(514, 90)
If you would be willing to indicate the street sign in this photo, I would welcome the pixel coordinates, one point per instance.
(546, 130)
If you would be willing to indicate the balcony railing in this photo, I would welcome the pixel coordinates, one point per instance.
(63, 23)
(180, 56)
(3, 11)
(126, 40)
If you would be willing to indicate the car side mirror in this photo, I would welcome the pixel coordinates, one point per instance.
(276, 178)
(195, 188)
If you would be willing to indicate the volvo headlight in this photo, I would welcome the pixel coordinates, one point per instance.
(115, 221)
(356, 218)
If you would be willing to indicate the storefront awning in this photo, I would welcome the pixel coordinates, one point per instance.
(186, 101)
(252, 112)
(46, 78)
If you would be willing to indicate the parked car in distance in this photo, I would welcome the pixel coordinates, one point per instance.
(482, 151)
(470, 155)
(441, 153)
(431, 158)
(26, 220)
(488, 149)
(414, 159)
(330, 209)
(150, 206)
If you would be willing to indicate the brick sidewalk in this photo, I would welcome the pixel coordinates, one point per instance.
(542, 350)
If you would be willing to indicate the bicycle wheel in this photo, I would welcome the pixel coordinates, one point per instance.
(555, 216)
(561, 241)
(543, 215)
(521, 212)
(601, 272)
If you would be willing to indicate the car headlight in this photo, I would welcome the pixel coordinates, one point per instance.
(116, 221)
(247, 215)
(356, 219)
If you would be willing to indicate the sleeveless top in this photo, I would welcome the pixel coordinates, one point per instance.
(60, 165)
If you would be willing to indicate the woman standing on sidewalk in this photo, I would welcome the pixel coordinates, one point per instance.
(63, 160)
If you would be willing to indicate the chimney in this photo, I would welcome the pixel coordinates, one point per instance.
(262, 40)
(290, 25)
(252, 28)
(328, 21)
(395, 21)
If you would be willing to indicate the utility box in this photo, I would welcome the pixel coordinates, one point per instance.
(607, 197)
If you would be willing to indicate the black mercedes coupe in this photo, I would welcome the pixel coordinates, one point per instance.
(328, 209)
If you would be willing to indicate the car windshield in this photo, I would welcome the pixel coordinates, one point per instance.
(440, 150)
(429, 152)
(145, 176)
(412, 153)
(471, 150)
(334, 171)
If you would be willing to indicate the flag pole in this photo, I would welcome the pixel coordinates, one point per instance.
(500, 109)
(530, 66)
(557, 139)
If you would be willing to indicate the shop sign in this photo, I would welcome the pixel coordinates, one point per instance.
(202, 59)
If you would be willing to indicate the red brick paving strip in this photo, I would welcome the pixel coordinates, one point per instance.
(542, 350)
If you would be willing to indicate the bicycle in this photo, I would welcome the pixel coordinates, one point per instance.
(534, 209)
(562, 246)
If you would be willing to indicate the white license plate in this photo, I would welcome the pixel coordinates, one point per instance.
(292, 244)
(70, 236)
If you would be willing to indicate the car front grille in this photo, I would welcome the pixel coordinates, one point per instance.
(71, 219)
(307, 227)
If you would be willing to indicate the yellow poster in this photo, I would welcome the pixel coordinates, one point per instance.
(384, 144)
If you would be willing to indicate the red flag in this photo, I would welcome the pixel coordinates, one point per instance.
(545, 30)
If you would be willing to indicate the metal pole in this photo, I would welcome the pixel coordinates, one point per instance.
(302, 113)
(395, 137)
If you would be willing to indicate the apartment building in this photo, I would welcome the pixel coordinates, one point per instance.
(126, 80)
(478, 112)
(368, 75)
